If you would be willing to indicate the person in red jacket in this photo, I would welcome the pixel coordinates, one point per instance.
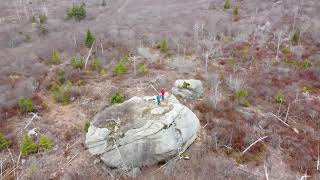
(163, 91)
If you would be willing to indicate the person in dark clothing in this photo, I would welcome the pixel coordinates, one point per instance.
(158, 99)
(163, 91)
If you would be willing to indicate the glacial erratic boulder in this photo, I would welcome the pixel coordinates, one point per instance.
(138, 132)
(188, 89)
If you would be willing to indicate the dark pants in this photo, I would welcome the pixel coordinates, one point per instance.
(162, 97)
(158, 99)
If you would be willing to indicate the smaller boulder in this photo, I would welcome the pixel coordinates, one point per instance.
(32, 132)
(188, 89)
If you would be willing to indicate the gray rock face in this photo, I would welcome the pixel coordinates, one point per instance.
(193, 90)
(139, 132)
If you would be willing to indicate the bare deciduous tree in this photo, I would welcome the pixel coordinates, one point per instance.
(134, 60)
(216, 95)
(234, 82)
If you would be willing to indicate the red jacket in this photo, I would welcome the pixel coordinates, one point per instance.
(163, 91)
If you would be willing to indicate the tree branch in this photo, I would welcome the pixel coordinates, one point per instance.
(266, 171)
(280, 120)
(124, 164)
(253, 144)
(89, 54)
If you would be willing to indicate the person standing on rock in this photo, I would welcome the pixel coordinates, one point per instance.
(158, 99)
(163, 91)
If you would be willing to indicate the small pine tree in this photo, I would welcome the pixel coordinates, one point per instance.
(55, 57)
(236, 11)
(227, 4)
(77, 63)
(42, 19)
(117, 98)
(77, 12)
(295, 38)
(120, 69)
(89, 39)
(28, 146)
(241, 93)
(86, 126)
(33, 19)
(308, 89)
(45, 143)
(60, 77)
(286, 51)
(60, 93)
(25, 105)
(241, 96)
(279, 98)
(163, 45)
(4, 143)
(305, 64)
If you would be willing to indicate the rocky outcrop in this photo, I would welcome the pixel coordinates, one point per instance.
(139, 132)
(188, 89)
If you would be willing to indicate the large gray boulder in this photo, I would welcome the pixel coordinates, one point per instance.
(188, 89)
(138, 132)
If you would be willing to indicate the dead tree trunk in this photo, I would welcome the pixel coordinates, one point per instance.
(253, 144)
(278, 46)
(134, 59)
(88, 57)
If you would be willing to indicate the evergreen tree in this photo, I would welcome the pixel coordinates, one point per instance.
(89, 39)
(55, 57)
(4, 142)
(295, 38)
(25, 105)
(227, 4)
(236, 11)
(28, 146)
(45, 143)
(164, 47)
(77, 12)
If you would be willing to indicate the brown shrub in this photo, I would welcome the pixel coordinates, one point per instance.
(238, 136)
(301, 151)
(67, 135)
(203, 107)
(8, 112)
(157, 66)
(309, 75)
